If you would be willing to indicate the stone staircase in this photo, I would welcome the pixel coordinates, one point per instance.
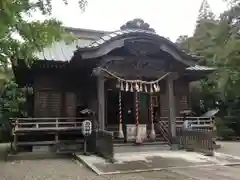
(160, 144)
(144, 147)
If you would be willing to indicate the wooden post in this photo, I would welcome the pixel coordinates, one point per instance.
(56, 135)
(138, 135)
(101, 101)
(15, 137)
(15, 142)
(172, 110)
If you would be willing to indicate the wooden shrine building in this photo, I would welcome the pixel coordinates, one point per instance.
(131, 78)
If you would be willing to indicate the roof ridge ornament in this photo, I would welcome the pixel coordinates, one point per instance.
(137, 24)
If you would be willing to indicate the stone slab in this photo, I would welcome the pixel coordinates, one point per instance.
(145, 161)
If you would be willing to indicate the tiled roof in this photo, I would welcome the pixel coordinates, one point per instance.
(114, 34)
(200, 68)
(62, 51)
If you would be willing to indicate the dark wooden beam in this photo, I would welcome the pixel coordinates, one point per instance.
(171, 103)
(101, 101)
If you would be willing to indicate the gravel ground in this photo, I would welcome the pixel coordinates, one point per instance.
(66, 169)
(229, 147)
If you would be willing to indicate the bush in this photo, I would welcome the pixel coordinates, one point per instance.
(223, 130)
(5, 135)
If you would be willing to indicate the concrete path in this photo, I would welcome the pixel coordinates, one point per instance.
(155, 161)
(230, 151)
(216, 172)
(232, 148)
(68, 169)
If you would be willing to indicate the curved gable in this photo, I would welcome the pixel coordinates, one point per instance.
(149, 39)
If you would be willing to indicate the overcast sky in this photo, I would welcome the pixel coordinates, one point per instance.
(170, 18)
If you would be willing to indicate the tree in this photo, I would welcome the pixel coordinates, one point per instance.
(32, 35)
(216, 40)
(19, 40)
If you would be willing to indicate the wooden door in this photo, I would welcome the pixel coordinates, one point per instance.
(144, 108)
(70, 104)
(128, 107)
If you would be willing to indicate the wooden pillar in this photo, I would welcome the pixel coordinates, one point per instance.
(101, 101)
(172, 106)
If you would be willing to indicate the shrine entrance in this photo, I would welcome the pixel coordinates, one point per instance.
(113, 109)
(128, 108)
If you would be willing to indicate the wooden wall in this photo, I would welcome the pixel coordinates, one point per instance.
(47, 96)
(58, 94)
(182, 97)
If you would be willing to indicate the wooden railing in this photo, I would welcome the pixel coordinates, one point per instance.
(52, 132)
(162, 126)
(197, 122)
(204, 124)
(46, 124)
(199, 141)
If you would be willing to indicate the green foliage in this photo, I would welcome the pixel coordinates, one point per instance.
(18, 34)
(223, 130)
(20, 38)
(12, 100)
(12, 104)
(216, 41)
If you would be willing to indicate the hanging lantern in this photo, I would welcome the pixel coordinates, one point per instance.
(141, 88)
(131, 88)
(121, 86)
(127, 87)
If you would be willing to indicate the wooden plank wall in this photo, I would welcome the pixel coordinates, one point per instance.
(57, 96)
(47, 97)
(181, 93)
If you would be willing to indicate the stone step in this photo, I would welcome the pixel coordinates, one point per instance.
(141, 148)
(157, 140)
(145, 143)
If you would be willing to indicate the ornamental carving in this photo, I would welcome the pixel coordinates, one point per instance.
(137, 24)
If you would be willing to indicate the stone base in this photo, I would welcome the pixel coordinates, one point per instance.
(175, 147)
(131, 131)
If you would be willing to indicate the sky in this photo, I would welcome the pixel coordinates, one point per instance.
(170, 18)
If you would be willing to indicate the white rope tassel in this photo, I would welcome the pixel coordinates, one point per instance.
(155, 87)
(158, 88)
(131, 89)
(127, 87)
(121, 86)
(141, 88)
(137, 87)
(151, 88)
(145, 88)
